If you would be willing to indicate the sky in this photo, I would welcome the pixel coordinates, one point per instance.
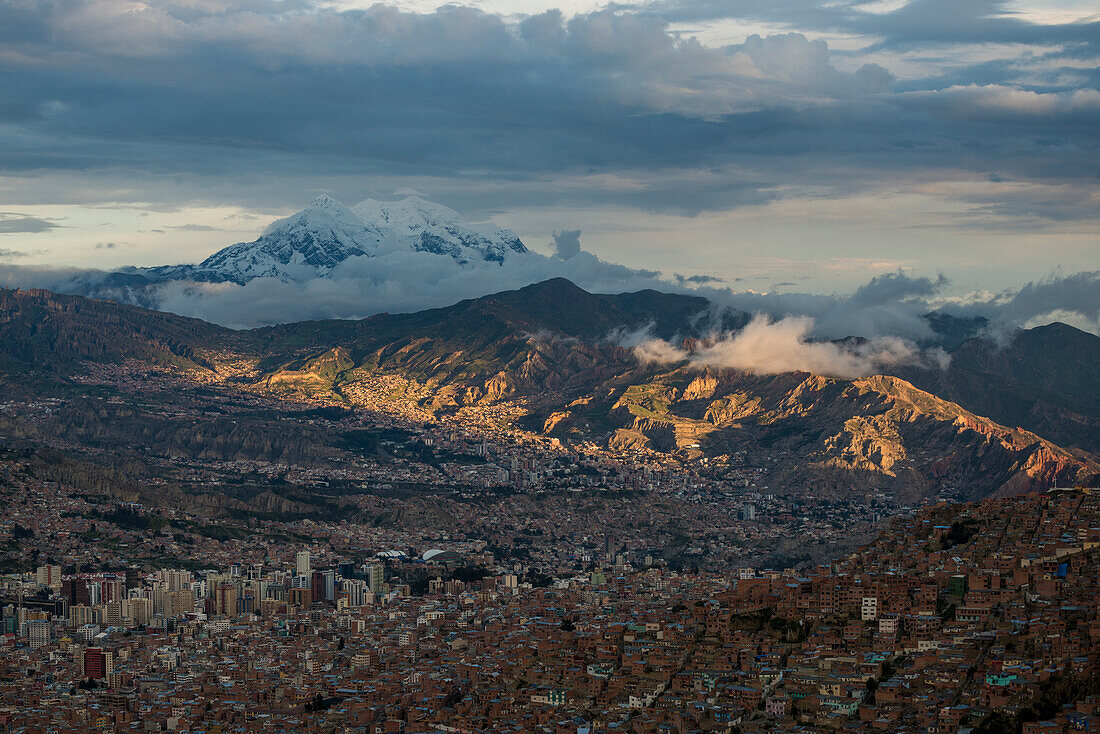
(801, 146)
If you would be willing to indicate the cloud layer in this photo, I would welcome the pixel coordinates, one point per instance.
(887, 313)
(766, 347)
(245, 100)
(17, 224)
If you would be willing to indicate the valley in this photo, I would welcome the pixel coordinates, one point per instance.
(522, 407)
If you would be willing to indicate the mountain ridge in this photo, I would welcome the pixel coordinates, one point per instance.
(1046, 378)
(541, 355)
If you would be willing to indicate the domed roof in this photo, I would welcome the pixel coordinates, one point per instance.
(435, 554)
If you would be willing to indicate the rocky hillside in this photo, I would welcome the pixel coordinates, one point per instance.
(1046, 379)
(547, 345)
(547, 336)
(828, 436)
(43, 332)
(550, 359)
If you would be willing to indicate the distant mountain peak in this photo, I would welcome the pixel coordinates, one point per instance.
(556, 287)
(314, 241)
(325, 200)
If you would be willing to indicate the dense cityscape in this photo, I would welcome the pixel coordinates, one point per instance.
(960, 616)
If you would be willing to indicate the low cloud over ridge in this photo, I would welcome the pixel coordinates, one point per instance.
(879, 326)
(766, 347)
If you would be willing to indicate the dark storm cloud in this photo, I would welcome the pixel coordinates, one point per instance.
(921, 22)
(450, 90)
(16, 224)
(967, 21)
(696, 280)
(283, 91)
(897, 288)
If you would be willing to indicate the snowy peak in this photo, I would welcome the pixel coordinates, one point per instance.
(304, 245)
(324, 201)
(406, 212)
(425, 226)
(324, 214)
(317, 239)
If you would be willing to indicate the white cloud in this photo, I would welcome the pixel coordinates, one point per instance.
(394, 282)
(766, 347)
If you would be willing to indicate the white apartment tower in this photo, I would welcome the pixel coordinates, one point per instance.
(301, 567)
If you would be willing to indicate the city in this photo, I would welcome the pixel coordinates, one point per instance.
(952, 618)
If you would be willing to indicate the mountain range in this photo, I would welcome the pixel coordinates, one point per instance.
(313, 242)
(543, 360)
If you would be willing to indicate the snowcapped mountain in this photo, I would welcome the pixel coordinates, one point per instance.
(314, 241)
(425, 226)
(304, 245)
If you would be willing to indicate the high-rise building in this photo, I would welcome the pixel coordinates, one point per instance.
(49, 576)
(112, 589)
(301, 566)
(95, 593)
(748, 512)
(97, 663)
(354, 589)
(180, 602)
(117, 614)
(81, 614)
(225, 599)
(37, 633)
(301, 597)
(157, 593)
(76, 591)
(252, 594)
(141, 611)
(175, 579)
(377, 577)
